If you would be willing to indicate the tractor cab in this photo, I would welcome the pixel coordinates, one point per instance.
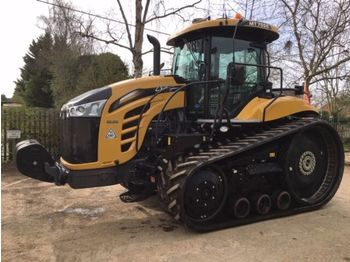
(228, 60)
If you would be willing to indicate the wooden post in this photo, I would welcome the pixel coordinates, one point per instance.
(4, 132)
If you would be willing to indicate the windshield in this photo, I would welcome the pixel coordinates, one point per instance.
(189, 61)
(203, 99)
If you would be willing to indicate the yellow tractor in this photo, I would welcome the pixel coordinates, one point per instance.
(217, 140)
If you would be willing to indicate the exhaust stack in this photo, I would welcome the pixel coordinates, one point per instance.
(156, 54)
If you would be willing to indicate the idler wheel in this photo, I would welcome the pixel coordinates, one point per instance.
(314, 165)
(205, 194)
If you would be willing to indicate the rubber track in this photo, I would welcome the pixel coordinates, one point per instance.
(174, 177)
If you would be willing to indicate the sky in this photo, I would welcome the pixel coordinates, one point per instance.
(19, 26)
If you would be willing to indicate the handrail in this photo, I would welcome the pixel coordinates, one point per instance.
(142, 112)
(177, 91)
(281, 85)
(267, 66)
(196, 83)
(151, 99)
(144, 108)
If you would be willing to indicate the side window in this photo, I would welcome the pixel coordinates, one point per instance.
(189, 64)
(249, 56)
(189, 60)
(225, 59)
(221, 56)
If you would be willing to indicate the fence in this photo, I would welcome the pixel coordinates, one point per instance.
(43, 125)
(34, 123)
(343, 128)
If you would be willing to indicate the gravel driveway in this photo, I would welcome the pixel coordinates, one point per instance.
(42, 222)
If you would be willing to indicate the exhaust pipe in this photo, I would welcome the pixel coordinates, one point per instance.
(156, 54)
(282, 200)
(263, 204)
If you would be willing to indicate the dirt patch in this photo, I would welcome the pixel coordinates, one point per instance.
(42, 222)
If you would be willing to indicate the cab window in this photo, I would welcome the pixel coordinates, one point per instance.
(221, 55)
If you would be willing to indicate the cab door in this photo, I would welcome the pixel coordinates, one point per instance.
(221, 56)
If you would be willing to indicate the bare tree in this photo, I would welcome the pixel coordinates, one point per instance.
(64, 25)
(69, 50)
(333, 83)
(318, 27)
(134, 33)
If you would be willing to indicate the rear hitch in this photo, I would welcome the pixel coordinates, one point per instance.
(33, 160)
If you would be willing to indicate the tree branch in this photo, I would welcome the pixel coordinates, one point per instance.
(342, 77)
(126, 24)
(331, 67)
(145, 11)
(106, 41)
(296, 33)
(172, 12)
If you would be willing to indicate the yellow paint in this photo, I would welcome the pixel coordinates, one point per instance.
(215, 23)
(109, 150)
(281, 107)
(169, 140)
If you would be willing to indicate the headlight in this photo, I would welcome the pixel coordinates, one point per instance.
(93, 109)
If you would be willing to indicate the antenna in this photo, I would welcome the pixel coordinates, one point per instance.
(224, 9)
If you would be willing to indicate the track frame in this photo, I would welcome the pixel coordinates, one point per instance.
(175, 178)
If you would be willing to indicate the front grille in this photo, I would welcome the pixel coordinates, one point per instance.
(130, 124)
(79, 139)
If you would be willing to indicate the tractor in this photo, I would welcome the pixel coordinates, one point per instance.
(220, 140)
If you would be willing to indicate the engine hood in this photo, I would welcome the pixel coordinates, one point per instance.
(122, 88)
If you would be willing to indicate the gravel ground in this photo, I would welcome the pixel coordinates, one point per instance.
(347, 158)
(42, 222)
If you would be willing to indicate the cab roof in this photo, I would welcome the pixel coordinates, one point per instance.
(258, 31)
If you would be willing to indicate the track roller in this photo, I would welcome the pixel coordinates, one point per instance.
(241, 207)
(263, 204)
(202, 192)
(282, 200)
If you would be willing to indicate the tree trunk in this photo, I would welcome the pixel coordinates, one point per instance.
(139, 29)
(138, 63)
(307, 94)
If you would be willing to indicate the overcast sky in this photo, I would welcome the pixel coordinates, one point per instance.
(18, 19)
(19, 26)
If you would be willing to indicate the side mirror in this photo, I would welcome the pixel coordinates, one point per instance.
(236, 74)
